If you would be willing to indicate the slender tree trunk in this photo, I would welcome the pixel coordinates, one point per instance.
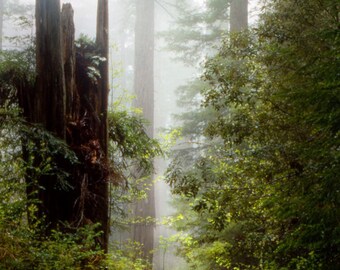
(144, 90)
(2, 5)
(102, 42)
(238, 15)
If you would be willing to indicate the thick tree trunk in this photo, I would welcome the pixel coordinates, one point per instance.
(144, 90)
(238, 15)
(2, 2)
(50, 93)
(49, 100)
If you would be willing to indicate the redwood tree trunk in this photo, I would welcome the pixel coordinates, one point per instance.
(144, 90)
(102, 42)
(49, 101)
(50, 93)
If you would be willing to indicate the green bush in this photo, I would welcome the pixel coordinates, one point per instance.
(127, 256)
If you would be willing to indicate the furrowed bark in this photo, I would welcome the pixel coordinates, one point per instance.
(49, 101)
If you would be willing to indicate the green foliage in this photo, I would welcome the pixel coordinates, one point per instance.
(127, 256)
(132, 153)
(22, 249)
(130, 145)
(268, 190)
(58, 251)
(69, 250)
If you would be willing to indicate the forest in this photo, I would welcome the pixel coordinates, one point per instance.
(170, 134)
